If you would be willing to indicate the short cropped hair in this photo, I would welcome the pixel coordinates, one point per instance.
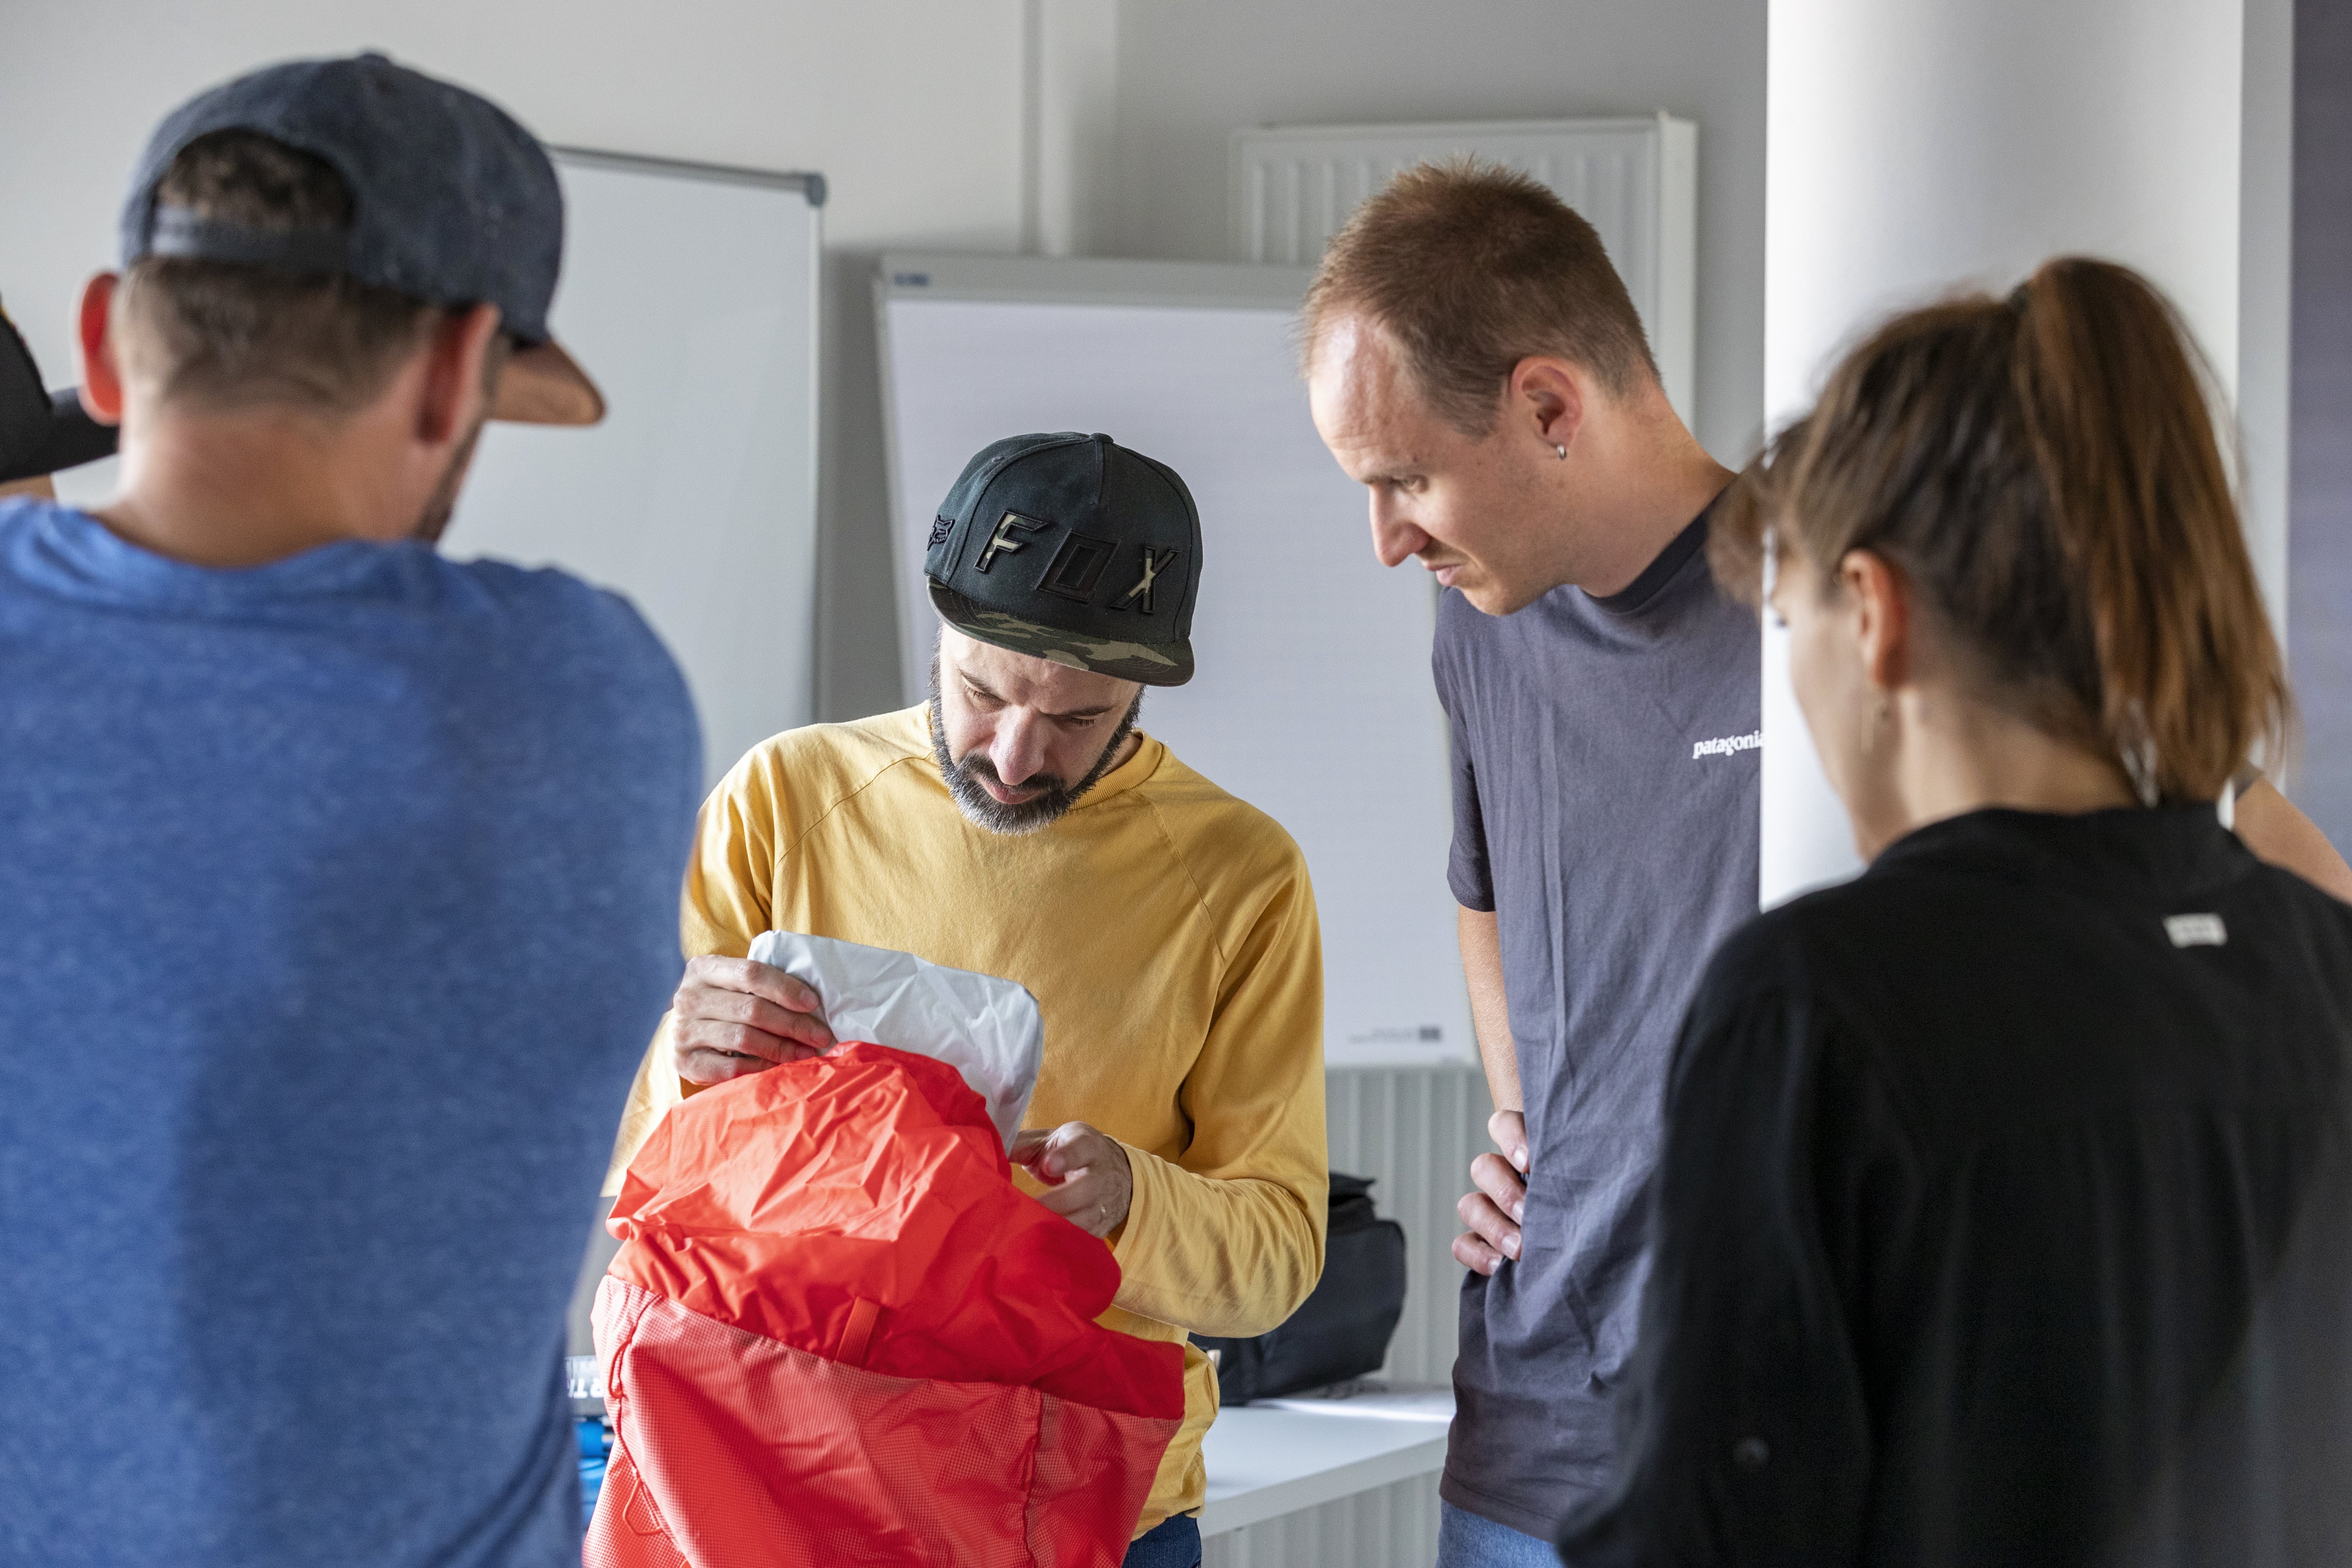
(228, 335)
(1471, 267)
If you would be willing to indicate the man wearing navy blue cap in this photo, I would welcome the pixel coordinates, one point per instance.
(334, 877)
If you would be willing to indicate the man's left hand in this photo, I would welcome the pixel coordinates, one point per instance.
(1086, 1174)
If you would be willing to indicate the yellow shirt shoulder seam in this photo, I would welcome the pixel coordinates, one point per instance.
(1200, 895)
(827, 814)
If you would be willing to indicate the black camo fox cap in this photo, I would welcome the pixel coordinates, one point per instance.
(1071, 548)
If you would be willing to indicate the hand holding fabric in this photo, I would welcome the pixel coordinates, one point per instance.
(1086, 1175)
(732, 1016)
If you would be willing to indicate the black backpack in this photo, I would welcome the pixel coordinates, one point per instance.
(1343, 1329)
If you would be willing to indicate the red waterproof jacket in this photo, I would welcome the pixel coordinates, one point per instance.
(838, 1334)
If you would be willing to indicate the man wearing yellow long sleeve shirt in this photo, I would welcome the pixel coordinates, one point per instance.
(1020, 824)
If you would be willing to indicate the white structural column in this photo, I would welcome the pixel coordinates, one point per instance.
(1917, 145)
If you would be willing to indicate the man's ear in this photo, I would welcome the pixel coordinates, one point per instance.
(1547, 395)
(101, 376)
(1882, 600)
(453, 395)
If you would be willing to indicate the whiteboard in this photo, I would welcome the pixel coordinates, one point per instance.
(1312, 699)
(690, 295)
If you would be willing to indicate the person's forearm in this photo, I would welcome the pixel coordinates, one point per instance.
(1225, 1230)
(2275, 831)
(1230, 1256)
(1490, 1015)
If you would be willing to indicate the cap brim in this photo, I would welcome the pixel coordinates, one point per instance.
(1151, 663)
(544, 386)
(72, 439)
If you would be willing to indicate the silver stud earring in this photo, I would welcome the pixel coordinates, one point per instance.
(1561, 451)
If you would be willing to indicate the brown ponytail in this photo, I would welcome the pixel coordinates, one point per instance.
(2044, 470)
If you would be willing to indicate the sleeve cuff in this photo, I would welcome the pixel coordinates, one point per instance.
(1130, 1244)
(1478, 897)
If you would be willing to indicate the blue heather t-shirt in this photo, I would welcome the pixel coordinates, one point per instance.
(337, 902)
(1605, 810)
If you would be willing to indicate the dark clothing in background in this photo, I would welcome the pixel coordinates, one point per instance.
(2005, 1215)
(1605, 811)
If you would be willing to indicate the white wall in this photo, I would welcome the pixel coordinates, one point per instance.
(1189, 71)
(1914, 144)
(1062, 126)
(911, 109)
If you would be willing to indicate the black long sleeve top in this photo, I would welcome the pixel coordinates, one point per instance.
(2004, 1216)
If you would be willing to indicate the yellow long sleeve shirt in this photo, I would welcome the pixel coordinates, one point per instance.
(1167, 932)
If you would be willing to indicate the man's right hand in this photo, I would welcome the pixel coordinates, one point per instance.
(732, 1017)
(1493, 1212)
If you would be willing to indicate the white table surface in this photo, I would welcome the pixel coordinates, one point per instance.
(1264, 1461)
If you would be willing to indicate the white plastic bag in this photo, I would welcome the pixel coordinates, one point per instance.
(987, 1029)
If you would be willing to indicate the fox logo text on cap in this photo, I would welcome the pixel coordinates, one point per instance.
(1071, 548)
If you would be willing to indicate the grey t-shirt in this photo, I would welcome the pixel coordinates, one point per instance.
(1605, 810)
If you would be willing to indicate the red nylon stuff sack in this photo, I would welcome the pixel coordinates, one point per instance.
(838, 1334)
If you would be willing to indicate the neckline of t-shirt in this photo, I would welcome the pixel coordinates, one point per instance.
(1664, 567)
(104, 559)
(1149, 754)
(2184, 844)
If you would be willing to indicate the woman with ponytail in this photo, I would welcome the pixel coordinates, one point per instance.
(2005, 1208)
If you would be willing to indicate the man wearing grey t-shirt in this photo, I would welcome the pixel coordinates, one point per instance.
(1474, 362)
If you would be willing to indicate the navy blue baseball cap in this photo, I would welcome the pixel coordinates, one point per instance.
(453, 204)
(1073, 549)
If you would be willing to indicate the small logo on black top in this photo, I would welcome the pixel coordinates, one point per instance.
(1154, 564)
(1006, 539)
(1077, 566)
(2196, 930)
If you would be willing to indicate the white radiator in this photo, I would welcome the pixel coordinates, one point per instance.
(1394, 1527)
(1289, 188)
(1414, 1131)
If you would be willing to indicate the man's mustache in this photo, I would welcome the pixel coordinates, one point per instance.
(976, 765)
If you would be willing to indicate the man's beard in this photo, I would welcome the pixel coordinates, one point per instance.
(983, 809)
(434, 520)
